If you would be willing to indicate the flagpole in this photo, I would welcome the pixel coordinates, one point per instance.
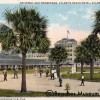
(67, 33)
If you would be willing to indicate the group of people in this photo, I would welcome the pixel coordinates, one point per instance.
(53, 73)
(15, 69)
(40, 70)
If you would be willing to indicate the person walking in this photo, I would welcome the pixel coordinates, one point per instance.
(82, 80)
(60, 81)
(47, 72)
(5, 75)
(40, 71)
(16, 72)
(35, 69)
(52, 74)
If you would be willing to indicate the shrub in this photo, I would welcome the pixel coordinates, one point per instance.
(67, 87)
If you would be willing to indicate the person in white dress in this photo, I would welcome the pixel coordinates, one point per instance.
(82, 80)
(35, 71)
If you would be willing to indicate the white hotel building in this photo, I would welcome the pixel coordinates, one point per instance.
(69, 45)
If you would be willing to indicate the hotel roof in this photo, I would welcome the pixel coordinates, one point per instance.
(67, 40)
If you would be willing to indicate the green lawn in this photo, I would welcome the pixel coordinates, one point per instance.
(63, 70)
(19, 71)
(87, 69)
(86, 75)
(13, 93)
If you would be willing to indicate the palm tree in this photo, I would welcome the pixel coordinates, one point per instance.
(5, 37)
(92, 47)
(29, 28)
(58, 54)
(96, 27)
(43, 45)
(89, 51)
(80, 55)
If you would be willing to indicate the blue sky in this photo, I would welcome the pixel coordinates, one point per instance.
(72, 17)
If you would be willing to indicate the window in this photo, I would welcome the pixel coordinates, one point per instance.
(70, 58)
(70, 50)
(70, 54)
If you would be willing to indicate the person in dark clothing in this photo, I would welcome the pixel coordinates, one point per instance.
(16, 72)
(47, 72)
(60, 81)
(82, 80)
(40, 71)
(5, 75)
(53, 76)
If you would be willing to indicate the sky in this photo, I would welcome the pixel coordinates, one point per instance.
(78, 19)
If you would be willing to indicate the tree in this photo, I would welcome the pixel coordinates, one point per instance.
(80, 55)
(92, 47)
(89, 51)
(29, 28)
(58, 54)
(96, 27)
(44, 44)
(5, 37)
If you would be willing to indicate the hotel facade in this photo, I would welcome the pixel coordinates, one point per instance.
(69, 45)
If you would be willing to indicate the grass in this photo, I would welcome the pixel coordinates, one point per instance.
(13, 93)
(86, 75)
(87, 69)
(30, 71)
(63, 70)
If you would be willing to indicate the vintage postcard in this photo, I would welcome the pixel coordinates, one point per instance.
(49, 49)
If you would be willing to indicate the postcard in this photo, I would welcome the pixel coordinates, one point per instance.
(49, 48)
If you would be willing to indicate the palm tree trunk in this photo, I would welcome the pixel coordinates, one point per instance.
(76, 67)
(23, 85)
(81, 67)
(91, 69)
(58, 69)
(50, 67)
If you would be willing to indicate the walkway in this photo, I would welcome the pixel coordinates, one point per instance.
(35, 83)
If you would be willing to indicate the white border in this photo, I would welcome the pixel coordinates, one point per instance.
(49, 98)
(18, 1)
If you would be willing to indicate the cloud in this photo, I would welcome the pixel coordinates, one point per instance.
(89, 13)
(72, 12)
(57, 32)
(62, 17)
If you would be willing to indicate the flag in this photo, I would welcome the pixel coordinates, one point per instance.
(68, 32)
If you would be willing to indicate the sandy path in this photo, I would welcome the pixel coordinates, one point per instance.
(35, 83)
